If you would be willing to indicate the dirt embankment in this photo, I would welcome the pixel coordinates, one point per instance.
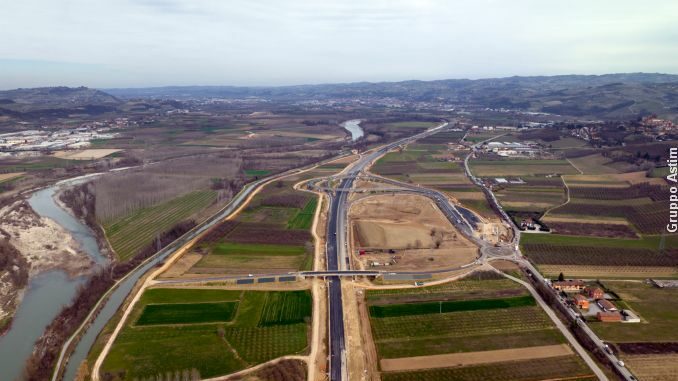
(79, 201)
(41, 245)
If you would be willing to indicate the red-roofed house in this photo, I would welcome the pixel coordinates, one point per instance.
(569, 285)
(581, 301)
(609, 316)
(596, 293)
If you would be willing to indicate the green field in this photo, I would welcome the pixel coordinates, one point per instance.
(396, 310)
(187, 313)
(130, 234)
(40, 163)
(256, 172)
(304, 218)
(229, 248)
(265, 326)
(540, 197)
(484, 311)
(285, 308)
(274, 215)
(272, 233)
(569, 368)
(655, 306)
(186, 295)
(503, 168)
(660, 172)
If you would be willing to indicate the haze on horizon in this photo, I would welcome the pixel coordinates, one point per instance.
(137, 43)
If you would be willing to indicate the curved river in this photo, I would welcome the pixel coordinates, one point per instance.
(353, 126)
(119, 293)
(46, 293)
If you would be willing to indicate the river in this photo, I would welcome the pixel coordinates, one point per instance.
(353, 126)
(46, 293)
(120, 292)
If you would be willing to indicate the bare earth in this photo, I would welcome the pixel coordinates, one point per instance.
(412, 226)
(86, 154)
(474, 358)
(9, 176)
(45, 245)
(504, 265)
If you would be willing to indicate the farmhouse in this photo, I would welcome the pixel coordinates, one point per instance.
(581, 301)
(569, 285)
(595, 292)
(528, 223)
(608, 317)
(606, 305)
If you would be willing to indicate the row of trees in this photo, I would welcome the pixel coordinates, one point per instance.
(119, 194)
(42, 361)
(184, 375)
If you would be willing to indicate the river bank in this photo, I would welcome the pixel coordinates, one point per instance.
(43, 244)
(59, 252)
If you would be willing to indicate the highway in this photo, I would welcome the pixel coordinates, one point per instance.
(112, 300)
(337, 253)
(571, 314)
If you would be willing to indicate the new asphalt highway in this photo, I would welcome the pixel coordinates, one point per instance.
(337, 253)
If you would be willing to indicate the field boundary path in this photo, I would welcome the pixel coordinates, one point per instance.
(566, 332)
(176, 254)
(244, 372)
(567, 192)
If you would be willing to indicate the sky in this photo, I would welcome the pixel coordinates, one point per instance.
(142, 43)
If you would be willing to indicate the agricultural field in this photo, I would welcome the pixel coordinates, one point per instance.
(655, 307)
(129, 234)
(85, 154)
(36, 164)
(606, 257)
(9, 176)
(525, 370)
(595, 164)
(530, 197)
(430, 163)
(420, 332)
(520, 167)
(271, 234)
(479, 136)
(653, 367)
(179, 329)
(643, 205)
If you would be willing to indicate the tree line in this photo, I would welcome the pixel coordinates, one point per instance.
(40, 365)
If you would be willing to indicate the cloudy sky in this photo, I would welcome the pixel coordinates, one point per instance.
(135, 43)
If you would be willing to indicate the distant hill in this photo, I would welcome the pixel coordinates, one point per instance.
(610, 96)
(607, 96)
(56, 101)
